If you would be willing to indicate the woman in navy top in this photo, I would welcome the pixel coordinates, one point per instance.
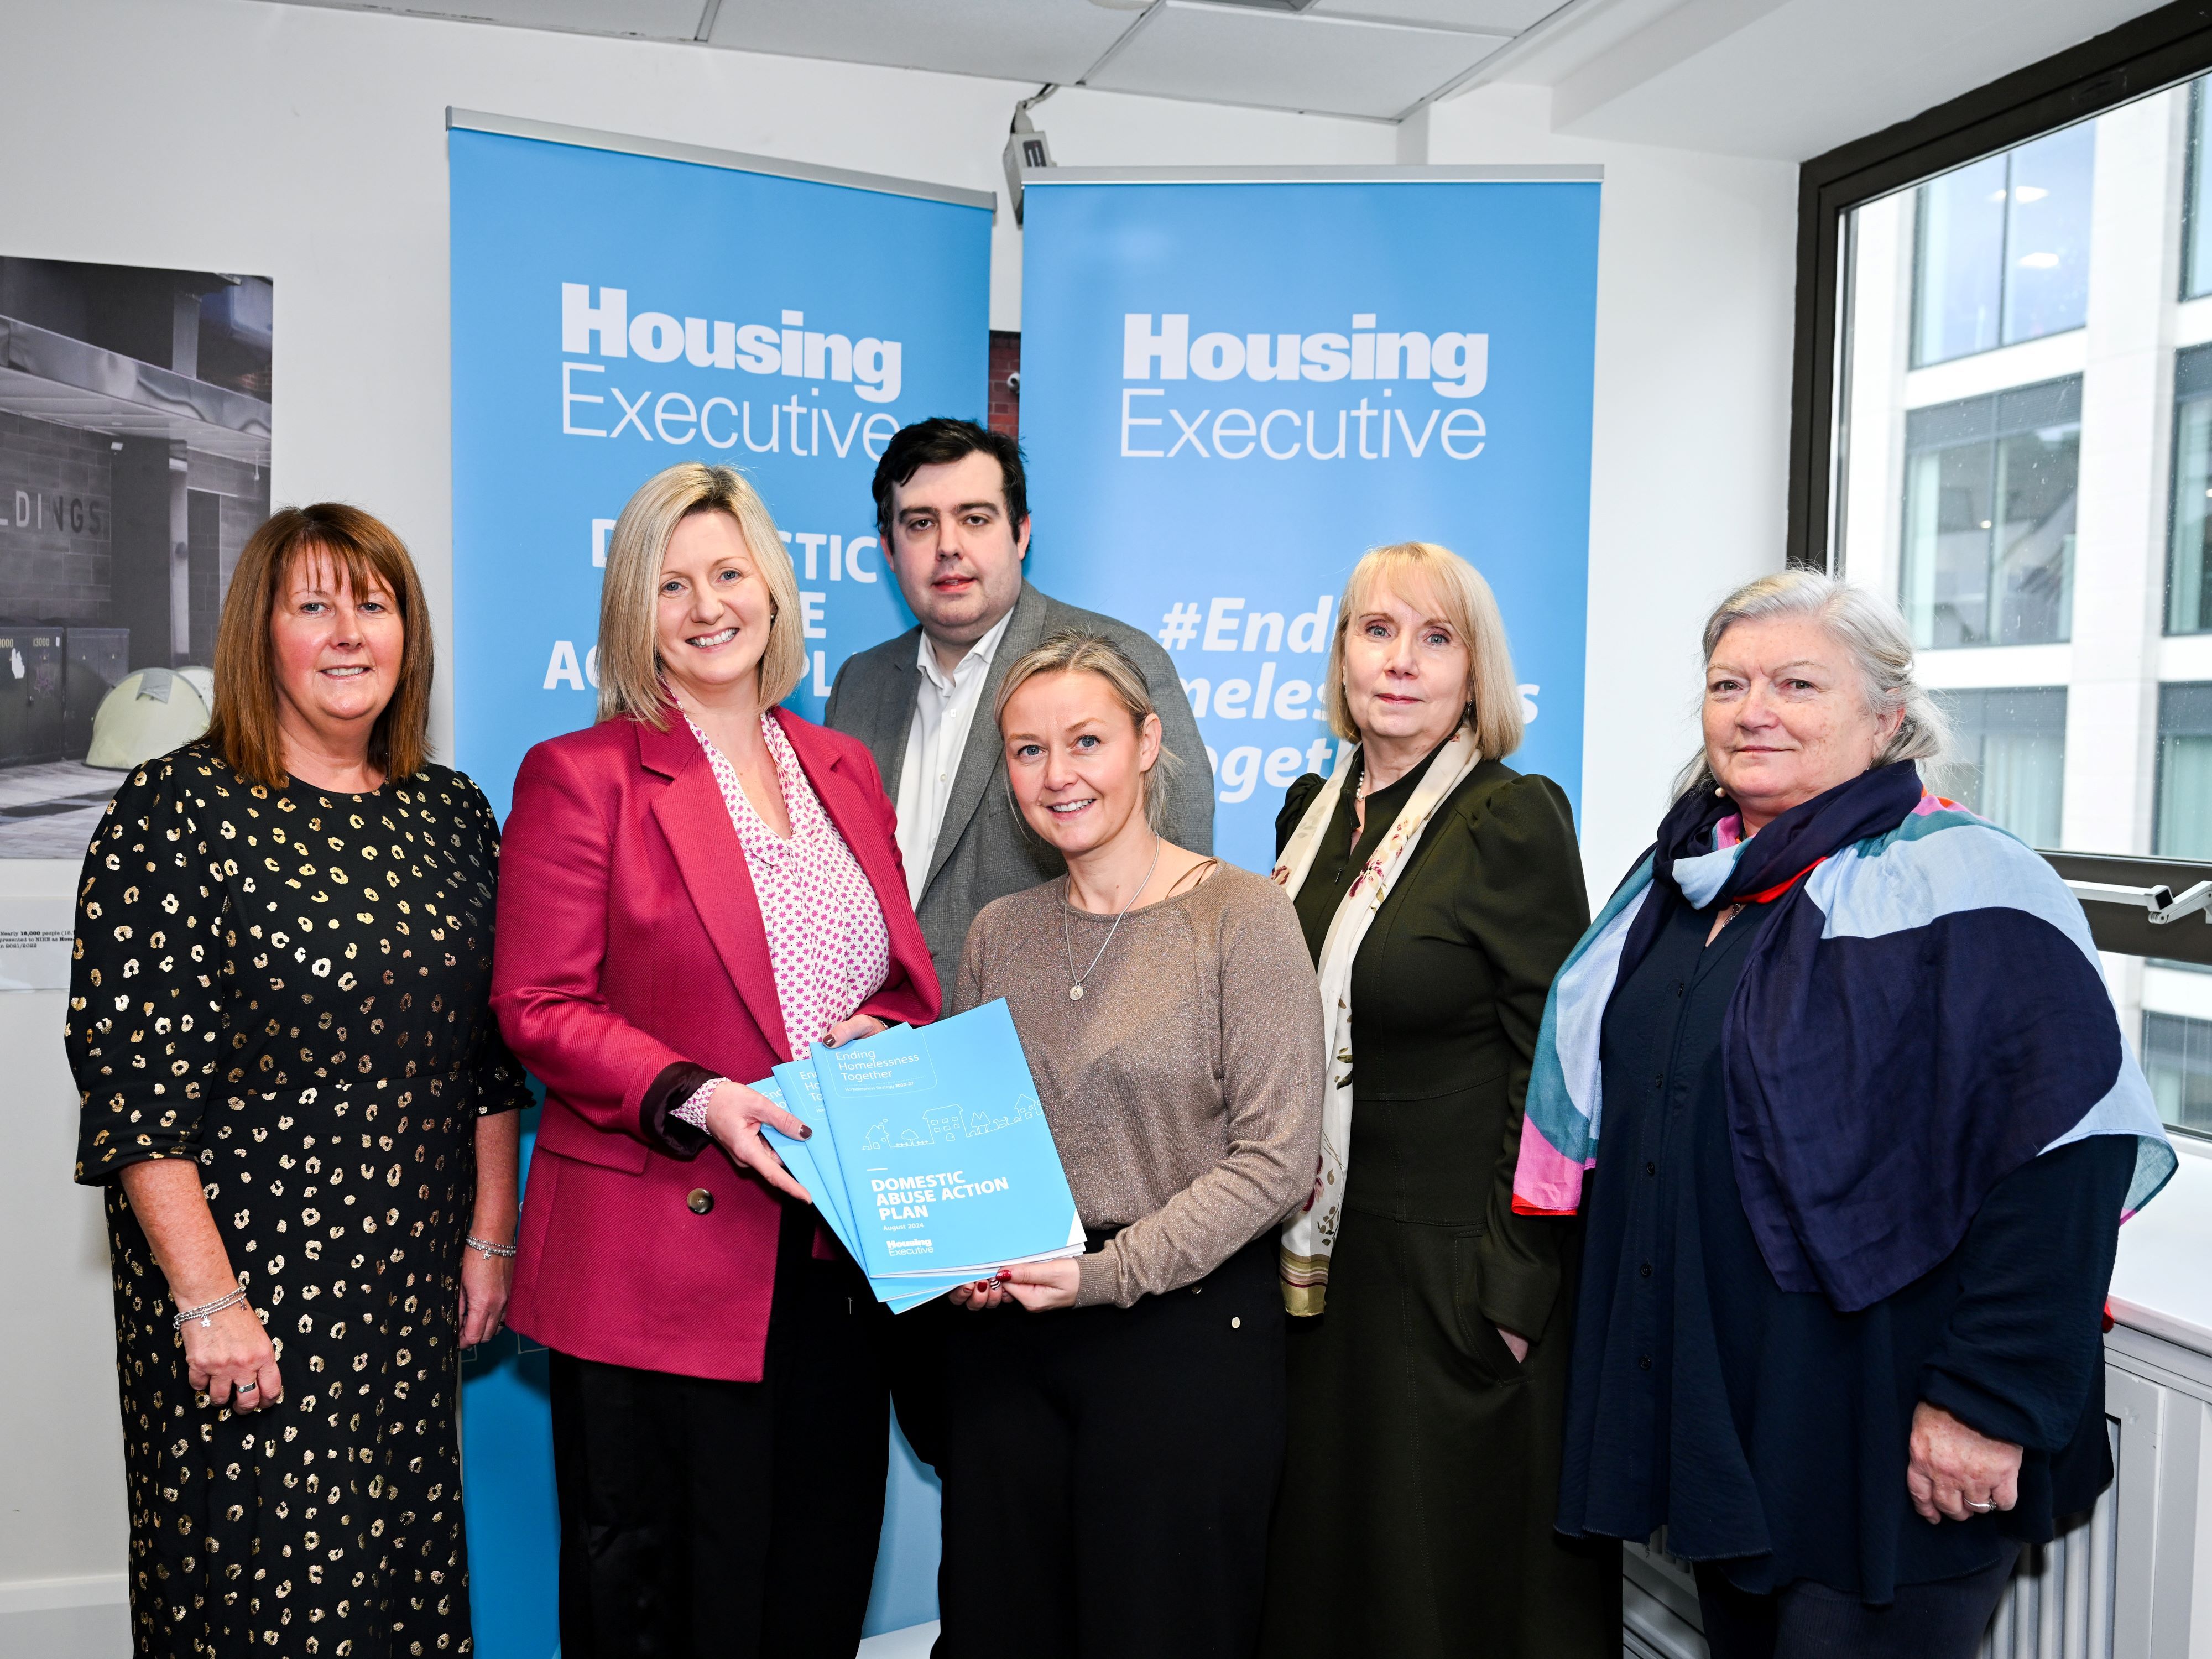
(1869, 1131)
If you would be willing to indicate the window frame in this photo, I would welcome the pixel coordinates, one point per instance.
(2159, 49)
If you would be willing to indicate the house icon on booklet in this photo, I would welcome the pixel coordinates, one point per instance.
(981, 1123)
(943, 1122)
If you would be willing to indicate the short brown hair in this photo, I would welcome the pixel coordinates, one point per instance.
(244, 729)
(1493, 700)
(629, 647)
(1079, 651)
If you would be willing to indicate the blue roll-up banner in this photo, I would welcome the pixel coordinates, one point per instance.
(1234, 385)
(619, 305)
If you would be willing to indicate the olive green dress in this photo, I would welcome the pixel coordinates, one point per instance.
(1417, 1504)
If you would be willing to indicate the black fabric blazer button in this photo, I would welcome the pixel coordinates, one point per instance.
(700, 1200)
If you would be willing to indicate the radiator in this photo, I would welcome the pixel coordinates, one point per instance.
(2058, 1606)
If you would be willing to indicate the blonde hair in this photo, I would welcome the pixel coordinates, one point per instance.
(245, 730)
(1493, 697)
(1868, 625)
(1079, 651)
(630, 653)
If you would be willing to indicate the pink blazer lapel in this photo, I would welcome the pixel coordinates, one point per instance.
(692, 815)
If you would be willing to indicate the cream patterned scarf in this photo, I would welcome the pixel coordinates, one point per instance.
(1310, 1236)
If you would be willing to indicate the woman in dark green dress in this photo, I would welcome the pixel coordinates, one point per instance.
(297, 1099)
(1439, 892)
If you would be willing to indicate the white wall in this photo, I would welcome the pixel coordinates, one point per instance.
(1689, 466)
(307, 146)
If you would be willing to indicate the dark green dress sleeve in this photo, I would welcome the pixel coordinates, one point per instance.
(1525, 906)
(1296, 799)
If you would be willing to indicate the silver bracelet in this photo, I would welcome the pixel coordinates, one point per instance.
(206, 1315)
(491, 1249)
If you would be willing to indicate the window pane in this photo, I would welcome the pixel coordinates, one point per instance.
(2177, 1057)
(2008, 759)
(2184, 771)
(2188, 598)
(1947, 545)
(2197, 272)
(2046, 279)
(1962, 276)
(1988, 547)
(2036, 474)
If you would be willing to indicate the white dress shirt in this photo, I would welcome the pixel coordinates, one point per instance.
(944, 711)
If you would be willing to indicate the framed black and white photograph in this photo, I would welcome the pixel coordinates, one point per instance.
(134, 464)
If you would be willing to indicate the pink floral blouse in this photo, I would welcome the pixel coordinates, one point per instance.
(827, 945)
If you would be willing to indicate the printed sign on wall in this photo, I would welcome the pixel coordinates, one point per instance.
(615, 314)
(1231, 389)
(615, 311)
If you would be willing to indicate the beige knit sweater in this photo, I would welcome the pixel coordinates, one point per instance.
(1184, 1089)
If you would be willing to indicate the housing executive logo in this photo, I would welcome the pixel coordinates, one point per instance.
(1452, 365)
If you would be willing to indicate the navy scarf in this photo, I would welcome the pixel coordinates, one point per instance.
(1918, 1016)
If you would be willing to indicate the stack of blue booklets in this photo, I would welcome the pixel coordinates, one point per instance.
(930, 1159)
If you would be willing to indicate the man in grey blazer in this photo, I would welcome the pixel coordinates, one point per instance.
(952, 510)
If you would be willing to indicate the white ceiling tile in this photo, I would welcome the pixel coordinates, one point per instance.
(1282, 60)
(1011, 39)
(1483, 16)
(651, 20)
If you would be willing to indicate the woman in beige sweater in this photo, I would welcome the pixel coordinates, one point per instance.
(1115, 1423)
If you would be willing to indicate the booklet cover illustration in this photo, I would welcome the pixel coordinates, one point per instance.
(949, 1164)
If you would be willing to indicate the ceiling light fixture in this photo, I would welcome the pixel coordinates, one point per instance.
(1025, 146)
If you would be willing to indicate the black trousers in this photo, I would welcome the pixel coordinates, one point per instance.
(710, 1520)
(1109, 1472)
(1944, 1619)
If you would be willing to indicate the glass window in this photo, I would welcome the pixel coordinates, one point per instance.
(1988, 517)
(2197, 261)
(2008, 759)
(2177, 1057)
(2004, 248)
(2184, 772)
(2188, 596)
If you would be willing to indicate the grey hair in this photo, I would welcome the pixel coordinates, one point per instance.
(1867, 625)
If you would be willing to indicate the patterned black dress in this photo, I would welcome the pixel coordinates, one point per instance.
(291, 987)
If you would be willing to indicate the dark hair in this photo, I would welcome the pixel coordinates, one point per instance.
(245, 729)
(935, 442)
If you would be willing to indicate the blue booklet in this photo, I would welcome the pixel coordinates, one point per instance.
(824, 1182)
(949, 1166)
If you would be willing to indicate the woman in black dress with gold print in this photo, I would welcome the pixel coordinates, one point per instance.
(301, 1108)
(1439, 892)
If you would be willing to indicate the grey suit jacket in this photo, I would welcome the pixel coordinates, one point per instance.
(983, 852)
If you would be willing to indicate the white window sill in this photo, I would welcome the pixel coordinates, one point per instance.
(2159, 1284)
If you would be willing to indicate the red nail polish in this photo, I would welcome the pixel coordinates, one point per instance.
(1006, 1275)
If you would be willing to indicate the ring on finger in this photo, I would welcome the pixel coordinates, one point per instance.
(1981, 1508)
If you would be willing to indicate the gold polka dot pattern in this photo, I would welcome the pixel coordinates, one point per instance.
(289, 986)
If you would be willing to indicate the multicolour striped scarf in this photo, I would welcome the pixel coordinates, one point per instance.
(1921, 1013)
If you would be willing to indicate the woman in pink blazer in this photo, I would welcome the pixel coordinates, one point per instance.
(693, 890)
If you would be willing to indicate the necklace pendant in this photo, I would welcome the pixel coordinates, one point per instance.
(1075, 994)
